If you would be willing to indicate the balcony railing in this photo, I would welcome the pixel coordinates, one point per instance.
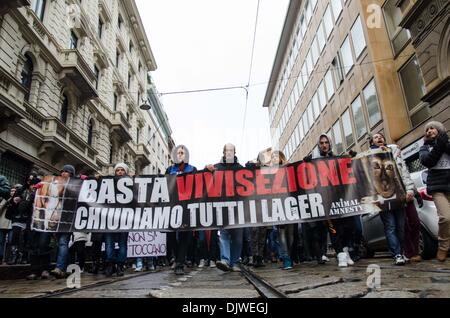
(55, 131)
(120, 126)
(76, 69)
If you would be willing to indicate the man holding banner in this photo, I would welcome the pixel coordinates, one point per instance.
(230, 240)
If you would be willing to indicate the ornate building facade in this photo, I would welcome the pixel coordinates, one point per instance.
(73, 75)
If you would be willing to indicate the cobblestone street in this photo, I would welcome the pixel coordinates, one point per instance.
(428, 279)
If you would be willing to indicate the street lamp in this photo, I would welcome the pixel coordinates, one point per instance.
(145, 106)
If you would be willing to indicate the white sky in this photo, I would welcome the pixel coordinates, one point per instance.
(202, 44)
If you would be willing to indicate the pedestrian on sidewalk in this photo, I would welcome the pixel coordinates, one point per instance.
(435, 155)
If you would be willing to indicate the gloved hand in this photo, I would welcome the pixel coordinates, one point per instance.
(308, 158)
(441, 142)
(419, 200)
(38, 185)
(352, 153)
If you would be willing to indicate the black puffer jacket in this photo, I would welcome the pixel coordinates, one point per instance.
(21, 212)
(431, 156)
(223, 165)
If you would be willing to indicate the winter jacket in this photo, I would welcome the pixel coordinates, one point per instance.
(175, 169)
(5, 224)
(435, 158)
(21, 212)
(5, 188)
(223, 165)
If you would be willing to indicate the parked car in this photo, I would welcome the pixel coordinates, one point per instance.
(373, 229)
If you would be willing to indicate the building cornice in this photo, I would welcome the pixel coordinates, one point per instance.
(289, 23)
(138, 28)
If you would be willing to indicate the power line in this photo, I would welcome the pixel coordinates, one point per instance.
(245, 87)
(250, 69)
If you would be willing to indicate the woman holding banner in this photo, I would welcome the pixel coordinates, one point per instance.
(181, 239)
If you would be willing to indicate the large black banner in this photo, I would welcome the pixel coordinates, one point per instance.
(299, 192)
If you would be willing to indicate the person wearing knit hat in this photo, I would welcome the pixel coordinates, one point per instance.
(68, 171)
(121, 169)
(435, 155)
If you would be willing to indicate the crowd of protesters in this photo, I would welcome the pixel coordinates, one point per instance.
(227, 248)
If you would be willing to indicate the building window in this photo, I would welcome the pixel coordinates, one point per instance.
(359, 41)
(414, 89)
(64, 109)
(336, 5)
(73, 42)
(139, 66)
(338, 70)
(138, 133)
(27, 75)
(329, 84)
(97, 76)
(398, 35)
(115, 102)
(119, 21)
(308, 12)
(310, 115)
(347, 56)
(130, 47)
(38, 6)
(100, 28)
(328, 22)
(128, 117)
(321, 37)
(90, 132)
(338, 146)
(373, 108)
(316, 106)
(117, 58)
(111, 154)
(358, 115)
(322, 95)
(314, 51)
(129, 80)
(348, 130)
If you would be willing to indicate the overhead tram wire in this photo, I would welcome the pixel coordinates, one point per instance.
(241, 87)
(250, 71)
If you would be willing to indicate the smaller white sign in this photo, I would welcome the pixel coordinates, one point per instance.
(146, 244)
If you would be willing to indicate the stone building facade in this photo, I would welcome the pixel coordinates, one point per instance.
(349, 69)
(72, 77)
